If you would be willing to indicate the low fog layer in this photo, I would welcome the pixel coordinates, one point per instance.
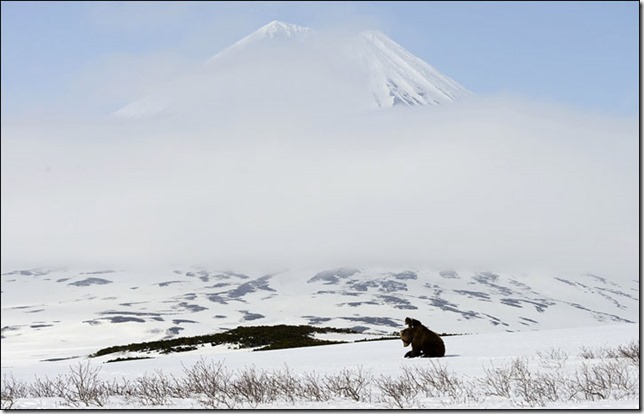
(486, 184)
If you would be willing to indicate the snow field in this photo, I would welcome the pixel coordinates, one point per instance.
(552, 353)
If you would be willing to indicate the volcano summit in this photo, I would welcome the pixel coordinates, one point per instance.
(283, 65)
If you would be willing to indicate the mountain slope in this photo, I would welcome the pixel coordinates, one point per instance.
(43, 308)
(400, 78)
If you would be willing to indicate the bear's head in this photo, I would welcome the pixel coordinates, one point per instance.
(407, 335)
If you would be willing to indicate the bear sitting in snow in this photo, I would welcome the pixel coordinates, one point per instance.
(424, 342)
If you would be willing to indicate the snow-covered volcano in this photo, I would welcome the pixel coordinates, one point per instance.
(286, 64)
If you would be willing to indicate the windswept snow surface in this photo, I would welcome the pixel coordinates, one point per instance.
(467, 357)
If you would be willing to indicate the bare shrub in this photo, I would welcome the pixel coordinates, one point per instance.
(153, 389)
(587, 353)
(124, 388)
(349, 384)
(399, 392)
(523, 380)
(523, 386)
(210, 382)
(284, 384)
(312, 387)
(436, 381)
(630, 351)
(497, 382)
(252, 387)
(46, 388)
(606, 379)
(84, 386)
(12, 389)
(535, 388)
(552, 358)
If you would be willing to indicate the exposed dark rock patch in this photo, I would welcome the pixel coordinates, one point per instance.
(373, 321)
(407, 275)
(164, 284)
(129, 313)
(329, 277)
(449, 274)
(123, 319)
(474, 295)
(520, 285)
(512, 302)
(180, 321)
(31, 272)
(493, 319)
(248, 316)
(487, 278)
(392, 286)
(451, 307)
(382, 285)
(343, 293)
(605, 291)
(250, 287)
(316, 320)
(217, 298)
(528, 320)
(191, 307)
(206, 276)
(397, 302)
(540, 305)
(93, 322)
(175, 330)
(362, 286)
(600, 316)
(356, 304)
(91, 281)
(568, 282)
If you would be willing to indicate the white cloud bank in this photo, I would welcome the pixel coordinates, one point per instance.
(488, 184)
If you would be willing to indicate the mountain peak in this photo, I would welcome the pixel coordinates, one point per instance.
(369, 68)
(277, 29)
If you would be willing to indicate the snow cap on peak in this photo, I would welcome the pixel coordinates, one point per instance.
(274, 30)
(277, 29)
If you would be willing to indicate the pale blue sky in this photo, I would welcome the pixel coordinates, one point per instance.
(75, 55)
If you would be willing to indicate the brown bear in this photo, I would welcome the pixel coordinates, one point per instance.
(412, 322)
(424, 342)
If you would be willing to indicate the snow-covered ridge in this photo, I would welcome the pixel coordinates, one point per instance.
(400, 78)
(43, 308)
(274, 30)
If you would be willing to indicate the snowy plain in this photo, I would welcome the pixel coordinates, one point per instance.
(467, 357)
